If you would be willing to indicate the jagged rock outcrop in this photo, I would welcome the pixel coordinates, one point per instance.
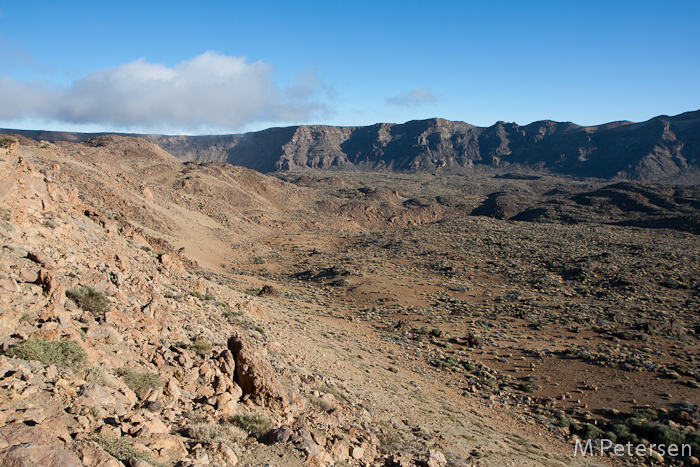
(255, 375)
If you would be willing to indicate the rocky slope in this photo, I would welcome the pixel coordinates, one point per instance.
(127, 339)
(662, 149)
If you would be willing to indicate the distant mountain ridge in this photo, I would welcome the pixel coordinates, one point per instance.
(662, 149)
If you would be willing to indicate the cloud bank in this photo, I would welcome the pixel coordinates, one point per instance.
(414, 98)
(208, 91)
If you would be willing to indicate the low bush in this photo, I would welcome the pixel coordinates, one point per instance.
(449, 362)
(139, 381)
(255, 424)
(622, 433)
(662, 434)
(90, 300)
(97, 375)
(590, 431)
(693, 438)
(201, 347)
(121, 449)
(63, 353)
(212, 432)
(645, 413)
(7, 141)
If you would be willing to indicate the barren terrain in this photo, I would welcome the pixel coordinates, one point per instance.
(394, 319)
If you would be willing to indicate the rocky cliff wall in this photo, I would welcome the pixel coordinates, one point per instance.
(662, 149)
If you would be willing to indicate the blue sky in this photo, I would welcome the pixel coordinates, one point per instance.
(229, 67)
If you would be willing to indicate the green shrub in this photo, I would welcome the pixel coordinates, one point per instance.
(528, 386)
(626, 335)
(97, 375)
(63, 353)
(449, 362)
(201, 347)
(7, 141)
(590, 431)
(575, 425)
(197, 294)
(212, 432)
(139, 381)
(662, 434)
(90, 300)
(121, 449)
(693, 438)
(645, 413)
(622, 433)
(255, 424)
(28, 318)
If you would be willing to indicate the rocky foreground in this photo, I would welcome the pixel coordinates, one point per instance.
(154, 313)
(114, 352)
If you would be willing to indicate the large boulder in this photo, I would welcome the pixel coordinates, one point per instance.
(255, 375)
(34, 455)
(93, 455)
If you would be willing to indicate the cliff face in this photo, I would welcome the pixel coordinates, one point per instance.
(661, 149)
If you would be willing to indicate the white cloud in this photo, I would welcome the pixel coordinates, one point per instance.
(413, 98)
(208, 91)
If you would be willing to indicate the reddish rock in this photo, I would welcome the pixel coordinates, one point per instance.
(227, 364)
(226, 404)
(19, 433)
(122, 262)
(93, 455)
(33, 454)
(255, 375)
(227, 453)
(269, 291)
(94, 395)
(42, 259)
(436, 459)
